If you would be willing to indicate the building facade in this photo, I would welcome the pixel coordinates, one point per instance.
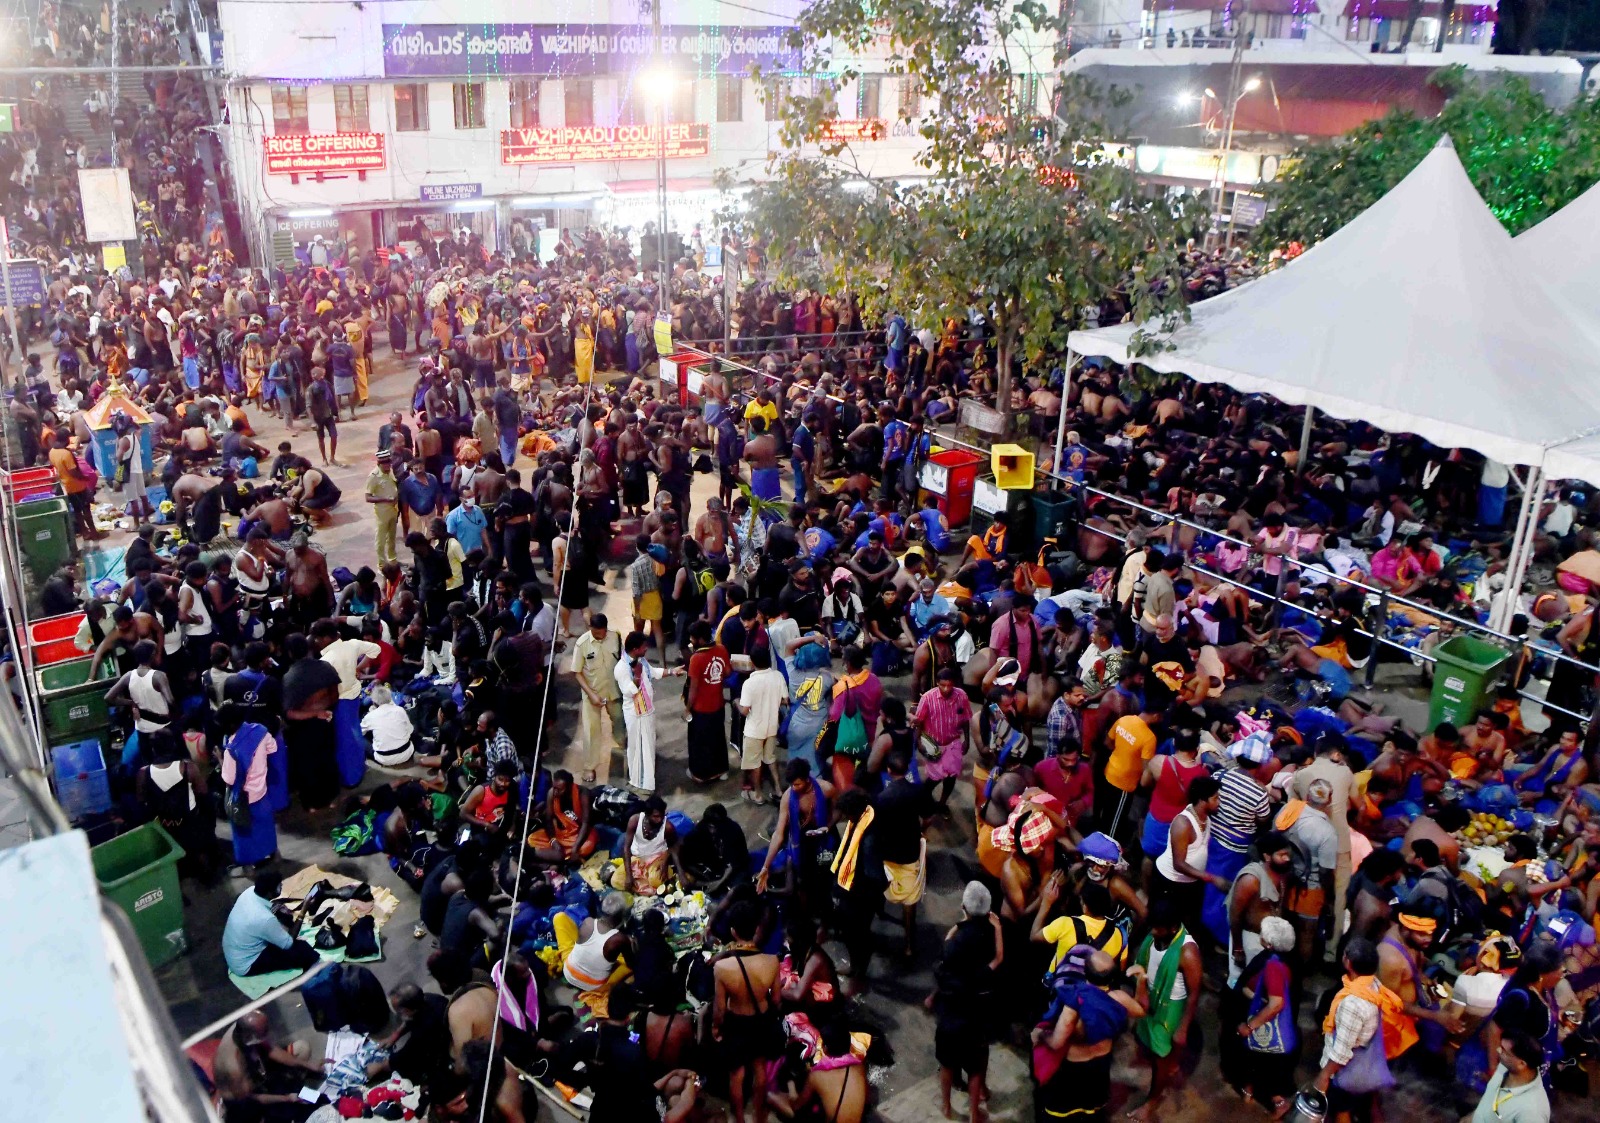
(357, 120)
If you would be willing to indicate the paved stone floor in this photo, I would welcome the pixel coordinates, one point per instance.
(197, 987)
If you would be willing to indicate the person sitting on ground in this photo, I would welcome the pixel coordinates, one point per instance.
(593, 950)
(257, 1079)
(389, 726)
(563, 830)
(255, 941)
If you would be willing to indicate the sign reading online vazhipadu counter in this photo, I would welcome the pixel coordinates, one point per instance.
(442, 50)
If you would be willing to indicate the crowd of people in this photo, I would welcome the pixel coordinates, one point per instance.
(1178, 784)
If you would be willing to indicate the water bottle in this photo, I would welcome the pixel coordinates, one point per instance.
(1309, 1106)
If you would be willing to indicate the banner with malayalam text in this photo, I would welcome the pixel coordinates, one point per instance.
(549, 50)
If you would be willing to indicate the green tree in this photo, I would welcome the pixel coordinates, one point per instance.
(1526, 159)
(1026, 217)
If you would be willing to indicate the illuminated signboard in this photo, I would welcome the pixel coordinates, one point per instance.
(626, 142)
(865, 128)
(567, 50)
(324, 152)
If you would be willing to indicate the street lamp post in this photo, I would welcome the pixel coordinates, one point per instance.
(1227, 145)
(658, 85)
(661, 198)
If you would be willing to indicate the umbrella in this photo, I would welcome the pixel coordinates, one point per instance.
(1585, 564)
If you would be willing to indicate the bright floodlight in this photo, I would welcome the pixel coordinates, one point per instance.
(1252, 85)
(657, 83)
(1186, 98)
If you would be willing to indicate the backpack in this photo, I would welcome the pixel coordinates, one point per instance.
(346, 995)
(703, 578)
(1302, 868)
(1463, 907)
(613, 807)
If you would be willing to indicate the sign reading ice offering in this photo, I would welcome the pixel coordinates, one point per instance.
(306, 154)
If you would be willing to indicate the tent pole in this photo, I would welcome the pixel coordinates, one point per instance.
(1061, 422)
(1521, 548)
(1525, 484)
(1536, 484)
(1305, 440)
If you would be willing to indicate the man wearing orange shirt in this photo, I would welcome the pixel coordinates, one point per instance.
(74, 485)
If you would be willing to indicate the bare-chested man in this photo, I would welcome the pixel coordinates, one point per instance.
(488, 485)
(273, 515)
(633, 456)
(712, 531)
(187, 491)
(127, 629)
(761, 453)
(307, 582)
(714, 393)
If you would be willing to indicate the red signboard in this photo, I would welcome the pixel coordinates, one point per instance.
(324, 152)
(625, 142)
(864, 128)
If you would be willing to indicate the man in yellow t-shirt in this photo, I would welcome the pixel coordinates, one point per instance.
(1092, 926)
(763, 407)
(1132, 744)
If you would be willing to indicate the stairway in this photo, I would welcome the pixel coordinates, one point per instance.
(71, 91)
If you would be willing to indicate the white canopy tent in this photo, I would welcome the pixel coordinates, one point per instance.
(1416, 316)
(1563, 252)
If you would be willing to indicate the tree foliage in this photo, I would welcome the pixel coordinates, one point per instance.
(1020, 215)
(1526, 160)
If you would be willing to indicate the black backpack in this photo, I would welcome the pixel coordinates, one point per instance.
(346, 995)
(1463, 910)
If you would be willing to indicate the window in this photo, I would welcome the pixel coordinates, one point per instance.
(680, 106)
(869, 92)
(1025, 94)
(910, 99)
(578, 95)
(730, 98)
(826, 91)
(411, 107)
(524, 103)
(468, 97)
(350, 113)
(289, 110)
(633, 106)
(773, 97)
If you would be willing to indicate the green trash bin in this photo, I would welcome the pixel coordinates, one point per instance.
(1053, 511)
(1462, 677)
(73, 706)
(987, 499)
(44, 529)
(138, 871)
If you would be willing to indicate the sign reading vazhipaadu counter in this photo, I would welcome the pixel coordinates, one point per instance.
(566, 145)
(427, 50)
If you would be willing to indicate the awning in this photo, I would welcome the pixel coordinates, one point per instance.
(1416, 317)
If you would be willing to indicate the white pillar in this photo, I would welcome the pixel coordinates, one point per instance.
(1536, 488)
(1521, 549)
(1305, 440)
(1061, 421)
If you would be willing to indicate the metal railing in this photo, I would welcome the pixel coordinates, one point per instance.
(1377, 618)
(164, 1077)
